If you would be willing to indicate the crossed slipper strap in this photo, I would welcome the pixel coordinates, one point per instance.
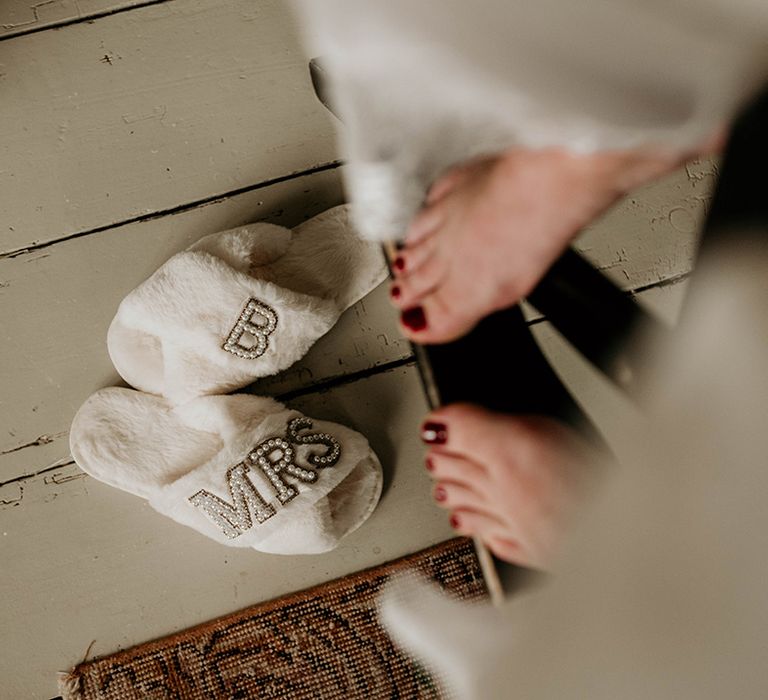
(258, 475)
(273, 484)
(240, 305)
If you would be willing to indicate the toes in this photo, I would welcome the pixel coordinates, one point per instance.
(425, 223)
(411, 258)
(436, 322)
(446, 320)
(474, 523)
(444, 185)
(465, 430)
(458, 497)
(450, 312)
(453, 178)
(447, 467)
(407, 291)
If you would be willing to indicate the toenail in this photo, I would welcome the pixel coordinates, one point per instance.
(434, 433)
(454, 522)
(395, 292)
(399, 263)
(414, 318)
(440, 494)
(429, 464)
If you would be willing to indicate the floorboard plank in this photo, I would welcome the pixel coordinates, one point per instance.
(652, 234)
(24, 17)
(147, 110)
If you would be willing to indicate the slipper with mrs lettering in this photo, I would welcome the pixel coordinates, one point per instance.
(243, 470)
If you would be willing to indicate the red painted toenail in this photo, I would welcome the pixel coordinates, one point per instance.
(395, 292)
(440, 494)
(399, 263)
(434, 433)
(429, 464)
(414, 318)
(454, 522)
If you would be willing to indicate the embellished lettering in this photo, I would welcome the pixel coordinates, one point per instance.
(246, 328)
(333, 449)
(237, 517)
(275, 456)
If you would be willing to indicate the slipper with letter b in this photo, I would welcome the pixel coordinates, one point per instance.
(240, 305)
(244, 470)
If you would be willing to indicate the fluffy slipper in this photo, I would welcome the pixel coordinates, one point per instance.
(245, 471)
(240, 305)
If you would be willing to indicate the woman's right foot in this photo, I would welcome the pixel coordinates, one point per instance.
(511, 481)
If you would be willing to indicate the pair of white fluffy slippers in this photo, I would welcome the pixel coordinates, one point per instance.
(244, 470)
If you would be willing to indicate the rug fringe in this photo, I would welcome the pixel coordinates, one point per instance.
(69, 685)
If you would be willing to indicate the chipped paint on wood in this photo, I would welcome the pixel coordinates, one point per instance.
(652, 234)
(11, 495)
(22, 16)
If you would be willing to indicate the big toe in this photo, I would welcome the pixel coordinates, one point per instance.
(435, 320)
(467, 431)
(449, 308)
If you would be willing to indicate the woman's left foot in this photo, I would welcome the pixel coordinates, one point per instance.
(491, 229)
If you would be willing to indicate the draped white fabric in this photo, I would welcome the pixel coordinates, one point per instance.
(422, 85)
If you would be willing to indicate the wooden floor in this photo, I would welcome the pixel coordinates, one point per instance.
(129, 129)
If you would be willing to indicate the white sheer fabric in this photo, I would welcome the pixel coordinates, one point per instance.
(423, 85)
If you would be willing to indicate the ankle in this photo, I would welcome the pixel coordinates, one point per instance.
(628, 170)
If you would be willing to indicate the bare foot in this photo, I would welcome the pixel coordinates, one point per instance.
(490, 230)
(511, 481)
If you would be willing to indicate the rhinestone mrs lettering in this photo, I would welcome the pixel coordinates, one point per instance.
(259, 331)
(233, 519)
(276, 458)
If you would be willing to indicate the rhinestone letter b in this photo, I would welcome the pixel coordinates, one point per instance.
(260, 332)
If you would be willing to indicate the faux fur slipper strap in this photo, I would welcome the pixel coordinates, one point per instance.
(243, 470)
(240, 305)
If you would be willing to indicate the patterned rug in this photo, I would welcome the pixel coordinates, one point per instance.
(324, 642)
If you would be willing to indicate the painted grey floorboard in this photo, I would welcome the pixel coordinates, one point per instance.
(151, 109)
